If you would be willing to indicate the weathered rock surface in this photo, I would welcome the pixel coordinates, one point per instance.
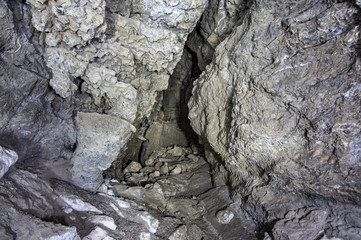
(16, 225)
(186, 194)
(277, 109)
(280, 105)
(35, 123)
(98, 57)
(136, 45)
(30, 206)
(339, 222)
(7, 159)
(100, 140)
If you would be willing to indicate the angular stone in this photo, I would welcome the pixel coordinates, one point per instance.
(7, 159)
(224, 216)
(176, 151)
(135, 193)
(132, 167)
(102, 220)
(164, 134)
(78, 204)
(175, 171)
(98, 233)
(100, 139)
(180, 233)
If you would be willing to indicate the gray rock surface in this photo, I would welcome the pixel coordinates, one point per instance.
(97, 57)
(277, 109)
(22, 226)
(99, 141)
(279, 105)
(35, 123)
(33, 208)
(340, 222)
(7, 159)
(137, 45)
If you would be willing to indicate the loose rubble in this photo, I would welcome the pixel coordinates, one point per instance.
(275, 103)
(175, 181)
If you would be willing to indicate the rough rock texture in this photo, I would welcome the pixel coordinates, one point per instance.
(217, 22)
(220, 17)
(7, 159)
(112, 46)
(175, 182)
(100, 140)
(31, 205)
(317, 222)
(98, 56)
(35, 123)
(279, 107)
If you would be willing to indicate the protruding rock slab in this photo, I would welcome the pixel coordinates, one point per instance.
(100, 139)
(7, 159)
(17, 225)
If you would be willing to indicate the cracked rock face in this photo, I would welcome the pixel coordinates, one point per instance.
(135, 44)
(280, 103)
(99, 57)
(7, 159)
(275, 103)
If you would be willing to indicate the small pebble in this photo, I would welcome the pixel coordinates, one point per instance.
(177, 170)
(224, 216)
(164, 169)
(154, 174)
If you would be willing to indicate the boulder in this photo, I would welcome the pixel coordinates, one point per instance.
(99, 141)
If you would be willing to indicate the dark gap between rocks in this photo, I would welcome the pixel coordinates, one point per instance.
(165, 167)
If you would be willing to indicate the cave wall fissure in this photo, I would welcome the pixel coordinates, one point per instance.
(225, 117)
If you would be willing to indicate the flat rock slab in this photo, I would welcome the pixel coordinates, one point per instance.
(100, 139)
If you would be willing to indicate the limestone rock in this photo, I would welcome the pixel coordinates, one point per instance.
(319, 222)
(164, 134)
(135, 193)
(224, 216)
(176, 151)
(279, 104)
(164, 170)
(100, 139)
(185, 232)
(304, 223)
(79, 205)
(22, 226)
(140, 45)
(133, 167)
(175, 171)
(217, 200)
(40, 128)
(98, 233)
(180, 233)
(35, 194)
(7, 159)
(220, 18)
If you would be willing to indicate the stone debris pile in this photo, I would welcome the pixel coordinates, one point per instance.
(176, 182)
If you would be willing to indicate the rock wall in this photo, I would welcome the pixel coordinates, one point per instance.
(279, 106)
(104, 57)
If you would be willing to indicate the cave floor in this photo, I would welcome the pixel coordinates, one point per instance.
(175, 183)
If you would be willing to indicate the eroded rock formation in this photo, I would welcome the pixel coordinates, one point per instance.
(279, 107)
(271, 88)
